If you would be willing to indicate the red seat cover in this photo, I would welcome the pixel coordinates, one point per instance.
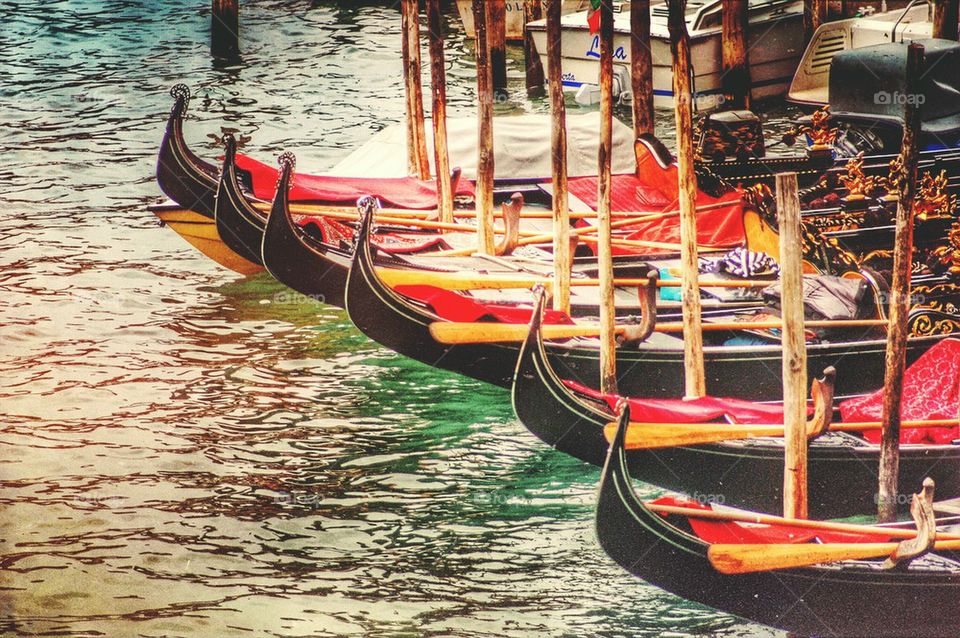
(399, 192)
(931, 390)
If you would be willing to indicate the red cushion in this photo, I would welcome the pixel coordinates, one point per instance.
(931, 390)
(454, 306)
(718, 227)
(399, 192)
(700, 410)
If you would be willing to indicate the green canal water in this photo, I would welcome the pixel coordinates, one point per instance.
(187, 452)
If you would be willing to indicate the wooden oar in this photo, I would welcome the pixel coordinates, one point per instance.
(477, 281)
(413, 223)
(528, 237)
(590, 231)
(650, 436)
(767, 519)
(620, 223)
(324, 209)
(646, 436)
(760, 557)
(582, 233)
(479, 332)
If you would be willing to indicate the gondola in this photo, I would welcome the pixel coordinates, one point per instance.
(848, 598)
(856, 229)
(193, 182)
(239, 224)
(181, 175)
(572, 421)
(314, 260)
(652, 368)
(310, 267)
(312, 255)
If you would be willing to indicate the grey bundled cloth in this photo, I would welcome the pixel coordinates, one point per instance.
(826, 297)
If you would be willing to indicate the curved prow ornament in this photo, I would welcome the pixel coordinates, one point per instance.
(921, 508)
(647, 295)
(281, 204)
(511, 225)
(822, 393)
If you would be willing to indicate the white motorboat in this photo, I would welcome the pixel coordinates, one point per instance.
(811, 85)
(775, 42)
(514, 13)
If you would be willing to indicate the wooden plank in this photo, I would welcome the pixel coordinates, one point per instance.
(695, 382)
(438, 76)
(485, 168)
(608, 339)
(899, 297)
(949, 506)
(794, 348)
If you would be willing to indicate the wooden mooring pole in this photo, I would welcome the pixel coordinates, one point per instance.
(814, 13)
(532, 10)
(608, 344)
(641, 68)
(497, 32)
(900, 297)
(558, 145)
(946, 14)
(438, 81)
(735, 56)
(417, 161)
(794, 348)
(225, 28)
(485, 167)
(695, 381)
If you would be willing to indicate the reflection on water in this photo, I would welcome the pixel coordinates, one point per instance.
(186, 452)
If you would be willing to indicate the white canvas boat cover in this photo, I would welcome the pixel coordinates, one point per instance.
(521, 148)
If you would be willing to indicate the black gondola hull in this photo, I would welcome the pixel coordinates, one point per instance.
(851, 599)
(181, 175)
(297, 260)
(403, 326)
(239, 224)
(842, 470)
